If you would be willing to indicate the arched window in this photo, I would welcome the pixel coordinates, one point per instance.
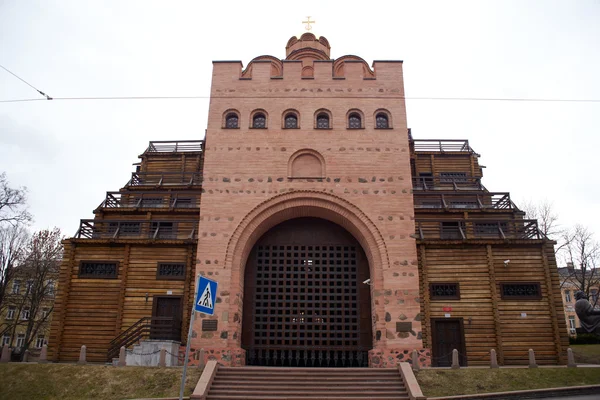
(354, 121)
(231, 121)
(381, 121)
(291, 121)
(259, 121)
(322, 121)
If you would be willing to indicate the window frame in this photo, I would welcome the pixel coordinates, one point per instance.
(290, 113)
(453, 297)
(37, 341)
(567, 296)
(387, 116)
(504, 297)
(6, 339)
(20, 338)
(25, 313)
(229, 115)
(255, 115)
(16, 287)
(324, 112)
(170, 277)
(355, 114)
(10, 312)
(98, 262)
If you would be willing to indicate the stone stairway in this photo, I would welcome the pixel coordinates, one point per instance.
(264, 383)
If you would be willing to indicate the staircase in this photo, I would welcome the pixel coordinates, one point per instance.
(264, 383)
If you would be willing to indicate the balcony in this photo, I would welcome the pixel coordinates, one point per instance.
(442, 146)
(461, 229)
(180, 146)
(484, 201)
(447, 181)
(162, 179)
(126, 229)
(159, 200)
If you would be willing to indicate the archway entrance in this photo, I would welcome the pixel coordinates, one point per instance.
(305, 303)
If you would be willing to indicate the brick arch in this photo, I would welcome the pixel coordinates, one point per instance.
(306, 203)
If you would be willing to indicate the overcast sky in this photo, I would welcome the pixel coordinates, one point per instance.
(69, 153)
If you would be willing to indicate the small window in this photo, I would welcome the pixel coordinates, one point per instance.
(444, 291)
(492, 229)
(354, 121)
(175, 271)
(98, 270)
(572, 328)
(40, 341)
(25, 314)
(50, 288)
(20, 340)
(29, 286)
(259, 121)
(5, 340)
(151, 202)
(450, 177)
(521, 291)
(291, 121)
(45, 312)
(10, 314)
(183, 202)
(381, 121)
(16, 287)
(322, 121)
(567, 296)
(163, 230)
(124, 228)
(231, 121)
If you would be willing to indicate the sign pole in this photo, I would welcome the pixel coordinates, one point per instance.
(189, 340)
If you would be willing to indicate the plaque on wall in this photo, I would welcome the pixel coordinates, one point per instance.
(209, 325)
(403, 326)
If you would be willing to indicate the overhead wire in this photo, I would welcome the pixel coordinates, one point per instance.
(27, 83)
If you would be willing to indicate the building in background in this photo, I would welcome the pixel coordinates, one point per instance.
(337, 239)
(570, 283)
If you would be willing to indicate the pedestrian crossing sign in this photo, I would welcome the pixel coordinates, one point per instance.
(206, 296)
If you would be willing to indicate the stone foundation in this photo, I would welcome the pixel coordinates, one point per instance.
(391, 358)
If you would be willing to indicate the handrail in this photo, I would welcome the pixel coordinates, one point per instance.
(454, 200)
(439, 182)
(443, 145)
(166, 328)
(136, 229)
(179, 146)
(165, 179)
(453, 229)
(151, 199)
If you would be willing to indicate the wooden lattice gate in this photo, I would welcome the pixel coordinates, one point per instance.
(306, 303)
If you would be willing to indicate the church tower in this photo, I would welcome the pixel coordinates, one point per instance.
(307, 215)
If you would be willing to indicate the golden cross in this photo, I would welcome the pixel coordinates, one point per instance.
(308, 22)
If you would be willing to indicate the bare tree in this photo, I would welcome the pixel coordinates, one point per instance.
(13, 203)
(39, 271)
(546, 217)
(583, 252)
(13, 239)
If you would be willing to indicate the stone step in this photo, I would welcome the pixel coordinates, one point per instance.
(304, 397)
(287, 391)
(218, 382)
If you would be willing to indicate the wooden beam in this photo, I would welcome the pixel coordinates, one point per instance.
(124, 271)
(494, 294)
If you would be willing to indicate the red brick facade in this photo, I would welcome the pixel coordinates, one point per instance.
(359, 179)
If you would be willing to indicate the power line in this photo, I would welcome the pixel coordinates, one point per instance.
(27, 83)
(304, 97)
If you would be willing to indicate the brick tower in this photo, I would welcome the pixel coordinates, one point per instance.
(307, 177)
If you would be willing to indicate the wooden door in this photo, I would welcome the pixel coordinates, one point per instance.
(166, 318)
(447, 335)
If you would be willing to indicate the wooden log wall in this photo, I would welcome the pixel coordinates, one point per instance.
(489, 320)
(94, 311)
(435, 163)
(165, 162)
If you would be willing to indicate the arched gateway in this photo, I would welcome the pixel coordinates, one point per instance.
(305, 300)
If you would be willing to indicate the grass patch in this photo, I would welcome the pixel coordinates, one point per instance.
(438, 382)
(586, 353)
(75, 382)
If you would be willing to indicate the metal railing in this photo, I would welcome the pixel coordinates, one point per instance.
(131, 229)
(447, 183)
(481, 201)
(158, 328)
(139, 199)
(180, 146)
(460, 229)
(165, 179)
(329, 357)
(442, 145)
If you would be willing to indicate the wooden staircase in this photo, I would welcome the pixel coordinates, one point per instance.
(264, 383)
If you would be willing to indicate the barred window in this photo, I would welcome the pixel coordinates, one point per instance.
(174, 271)
(444, 291)
(125, 228)
(259, 121)
(521, 291)
(323, 121)
(291, 121)
(354, 121)
(151, 202)
(231, 121)
(490, 229)
(381, 121)
(98, 269)
(453, 176)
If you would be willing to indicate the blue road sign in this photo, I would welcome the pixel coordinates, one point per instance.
(206, 296)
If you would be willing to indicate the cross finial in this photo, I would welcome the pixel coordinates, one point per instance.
(308, 22)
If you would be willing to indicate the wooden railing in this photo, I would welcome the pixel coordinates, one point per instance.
(481, 201)
(441, 145)
(156, 328)
(138, 199)
(131, 229)
(459, 229)
(165, 179)
(180, 146)
(447, 183)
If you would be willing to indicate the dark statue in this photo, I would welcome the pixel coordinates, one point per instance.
(588, 316)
